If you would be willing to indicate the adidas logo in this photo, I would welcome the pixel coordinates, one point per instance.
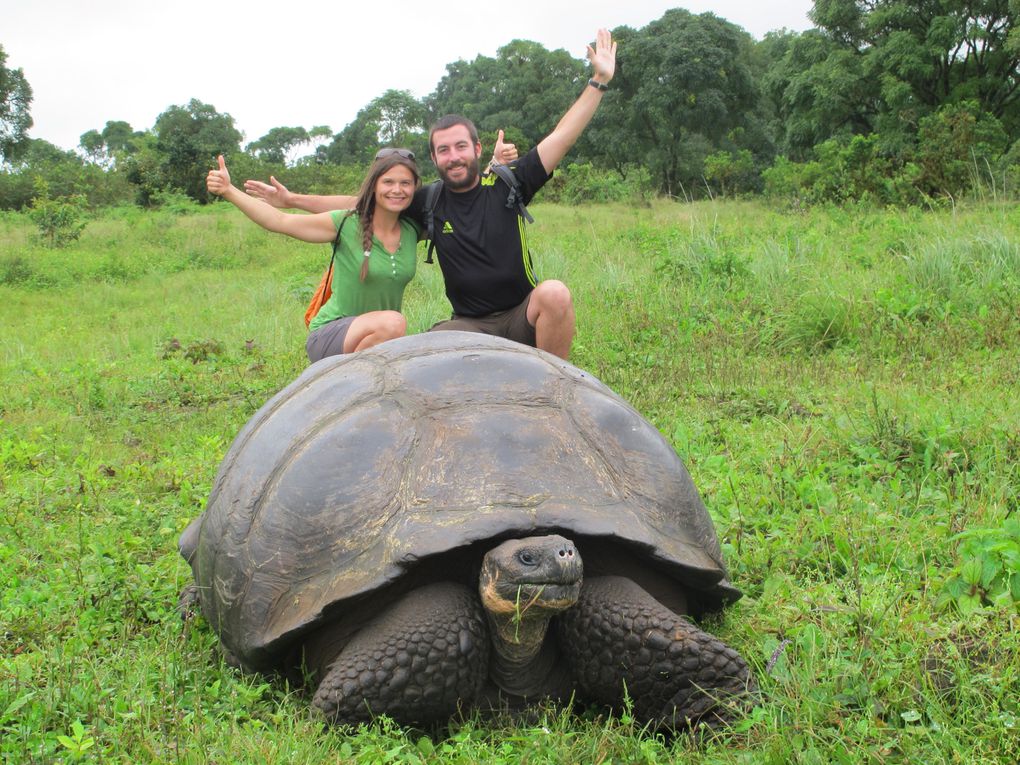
(447, 228)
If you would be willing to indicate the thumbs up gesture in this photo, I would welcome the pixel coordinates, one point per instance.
(218, 180)
(503, 153)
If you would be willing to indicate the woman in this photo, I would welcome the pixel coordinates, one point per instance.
(375, 256)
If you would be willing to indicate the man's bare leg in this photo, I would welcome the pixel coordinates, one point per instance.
(551, 313)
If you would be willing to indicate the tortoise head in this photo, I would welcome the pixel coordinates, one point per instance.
(525, 582)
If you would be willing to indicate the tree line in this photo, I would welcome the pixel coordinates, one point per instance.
(886, 101)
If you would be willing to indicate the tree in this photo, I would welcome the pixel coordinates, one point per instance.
(815, 88)
(120, 139)
(524, 90)
(683, 90)
(117, 139)
(188, 139)
(15, 119)
(395, 118)
(920, 55)
(279, 143)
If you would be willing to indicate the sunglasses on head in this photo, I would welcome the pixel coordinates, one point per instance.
(405, 153)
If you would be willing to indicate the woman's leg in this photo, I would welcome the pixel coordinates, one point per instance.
(328, 340)
(373, 328)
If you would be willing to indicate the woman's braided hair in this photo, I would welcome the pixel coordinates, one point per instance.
(365, 206)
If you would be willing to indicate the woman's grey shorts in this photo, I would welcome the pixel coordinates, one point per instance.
(328, 340)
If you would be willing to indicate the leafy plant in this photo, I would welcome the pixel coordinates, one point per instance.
(989, 570)
(60, 221)
(79, 742)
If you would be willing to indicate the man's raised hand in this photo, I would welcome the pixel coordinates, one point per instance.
(603, 57)
(503, 153)
(273, 193)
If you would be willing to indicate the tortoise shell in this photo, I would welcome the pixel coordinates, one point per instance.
(370, 463)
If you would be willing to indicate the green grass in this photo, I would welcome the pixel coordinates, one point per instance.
(841, 384)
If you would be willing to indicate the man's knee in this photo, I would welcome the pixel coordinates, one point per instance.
(552, 295)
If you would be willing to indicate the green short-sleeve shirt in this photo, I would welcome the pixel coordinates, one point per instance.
(388, 273)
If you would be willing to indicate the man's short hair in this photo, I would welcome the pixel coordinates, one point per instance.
(449, 121)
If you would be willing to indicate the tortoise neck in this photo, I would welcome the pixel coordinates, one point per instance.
(523, 659)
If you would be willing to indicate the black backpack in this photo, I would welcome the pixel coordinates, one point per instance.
(514, 201)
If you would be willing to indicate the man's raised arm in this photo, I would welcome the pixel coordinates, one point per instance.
(555, 146)
(278, 195)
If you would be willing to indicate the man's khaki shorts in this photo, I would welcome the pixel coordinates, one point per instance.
(511, 324)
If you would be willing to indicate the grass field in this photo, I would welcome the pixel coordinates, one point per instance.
(842, 385)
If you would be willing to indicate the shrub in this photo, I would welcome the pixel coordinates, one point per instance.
(585, 183)
(732, 173)
(60, 221)
(956, 147)
(988, 573)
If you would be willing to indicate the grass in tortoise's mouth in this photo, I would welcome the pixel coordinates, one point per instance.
(546, 597)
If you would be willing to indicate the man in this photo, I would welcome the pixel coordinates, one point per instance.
(481, 242)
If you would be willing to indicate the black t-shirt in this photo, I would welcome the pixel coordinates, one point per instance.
(481, 244)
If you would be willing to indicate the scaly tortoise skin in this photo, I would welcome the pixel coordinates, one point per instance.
(406, 524)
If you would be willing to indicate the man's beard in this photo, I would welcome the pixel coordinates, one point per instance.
(469, 180)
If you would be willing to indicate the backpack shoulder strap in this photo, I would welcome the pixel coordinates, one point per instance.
(431, 199)
(336, 240)
(514, 199)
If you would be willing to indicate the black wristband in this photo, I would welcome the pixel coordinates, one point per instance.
(598, 85)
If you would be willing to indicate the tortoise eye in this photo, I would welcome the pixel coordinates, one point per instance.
(526, 557)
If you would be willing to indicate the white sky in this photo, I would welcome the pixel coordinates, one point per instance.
(273, 64)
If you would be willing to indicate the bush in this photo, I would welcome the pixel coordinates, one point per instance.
(843, 171)
(585, 183)
(732, 173)
(957, 147)
(60, 221)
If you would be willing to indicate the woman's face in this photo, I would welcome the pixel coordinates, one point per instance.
(394, 189)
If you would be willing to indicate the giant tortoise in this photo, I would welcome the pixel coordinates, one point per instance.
(404, 526)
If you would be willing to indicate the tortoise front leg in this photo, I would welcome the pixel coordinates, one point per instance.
(619, 638)
(416, 662)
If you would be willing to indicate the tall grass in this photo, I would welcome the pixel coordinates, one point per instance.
(841, 384)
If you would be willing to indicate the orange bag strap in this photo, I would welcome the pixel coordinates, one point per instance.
(325, 289)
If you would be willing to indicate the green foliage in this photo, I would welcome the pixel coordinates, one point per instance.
(15, 105)
(64, 174)
(174, 202)
(525, 90)
(683, 89)
(988, 572)
(187, 141)
(920, 58)
(393, 119)
(576, 184)
(60, 221)
(841, 172)
(280, 143)
(116, 142)
(78, 743)
(956, 147)
(816, 90)
(732, 173)
(886, 102)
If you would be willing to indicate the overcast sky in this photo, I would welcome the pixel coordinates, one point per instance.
(273, 64)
